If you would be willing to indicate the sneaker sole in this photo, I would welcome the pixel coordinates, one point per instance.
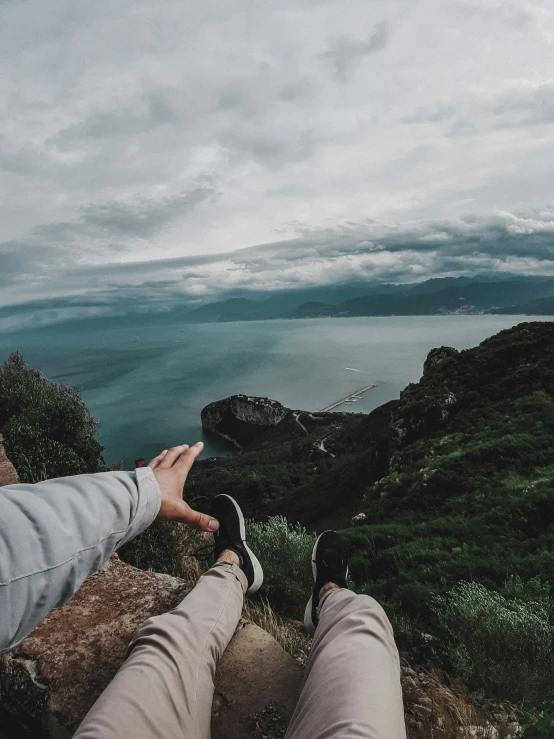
(256, 566)
(308, 623)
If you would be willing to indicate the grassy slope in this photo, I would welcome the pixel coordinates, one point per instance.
(456, 484)
(471, 483)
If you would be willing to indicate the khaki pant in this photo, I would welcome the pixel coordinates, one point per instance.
(165, 688)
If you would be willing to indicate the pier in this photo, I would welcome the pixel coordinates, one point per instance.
(354, 396)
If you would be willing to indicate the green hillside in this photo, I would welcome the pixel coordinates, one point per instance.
(456, 485)
(445, 497)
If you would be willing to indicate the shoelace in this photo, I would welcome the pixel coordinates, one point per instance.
(203, 554)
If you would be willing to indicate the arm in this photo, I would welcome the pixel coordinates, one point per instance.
(54, 534)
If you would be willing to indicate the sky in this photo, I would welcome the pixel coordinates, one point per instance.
(174, 151)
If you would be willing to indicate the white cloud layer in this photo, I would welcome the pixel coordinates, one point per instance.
(142, 144)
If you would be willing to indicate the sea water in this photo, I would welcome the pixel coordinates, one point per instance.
(147, 386)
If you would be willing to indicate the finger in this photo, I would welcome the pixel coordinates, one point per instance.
(188, 457)
(197, 520)
(173, 454)
(156, 461)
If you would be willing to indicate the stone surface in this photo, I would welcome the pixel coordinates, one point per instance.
(50, 681)
(247, 422)
(239, 418)
(8, 475)
(257, 686)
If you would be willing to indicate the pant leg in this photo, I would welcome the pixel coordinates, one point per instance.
(352, 687)
(164, 689)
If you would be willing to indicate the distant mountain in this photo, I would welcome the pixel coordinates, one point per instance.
(472, 297)
(541, 307)
(481, 294)
(486, 293)
(259, 307)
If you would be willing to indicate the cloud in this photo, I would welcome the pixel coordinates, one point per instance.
(355, 253)
(526, 105)
(143, 145)
(346, 52)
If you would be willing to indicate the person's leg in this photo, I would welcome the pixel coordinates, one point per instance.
(165, 688)
(352, 686)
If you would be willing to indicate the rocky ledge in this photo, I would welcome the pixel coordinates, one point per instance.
(8, 475)
(50, 681)
(247, 421)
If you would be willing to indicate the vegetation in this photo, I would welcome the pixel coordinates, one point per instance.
(458, 488)
(456, 484)
(48, 430)
(287, 553)
(503, 642)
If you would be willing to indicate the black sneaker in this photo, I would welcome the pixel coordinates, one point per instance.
(232, 535)
(329, 564)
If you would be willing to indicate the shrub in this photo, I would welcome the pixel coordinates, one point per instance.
(504, 644)
(48, 430)
(285, 552)
(166, 547)
(541, 725)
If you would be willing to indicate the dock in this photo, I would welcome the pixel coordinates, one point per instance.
(354, 396)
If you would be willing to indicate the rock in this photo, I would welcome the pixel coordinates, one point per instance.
(50, 681)
(257, 686)
(438, 356)
(259, 411)
(8, 475)
(248, 421)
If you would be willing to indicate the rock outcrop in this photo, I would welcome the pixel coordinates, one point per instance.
(50, 681)
(438, 356)
(8, 475)
(239, 418)
(259, 411)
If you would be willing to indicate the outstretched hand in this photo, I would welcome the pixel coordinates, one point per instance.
(171, 468)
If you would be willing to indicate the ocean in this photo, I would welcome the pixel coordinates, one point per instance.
(147, 386)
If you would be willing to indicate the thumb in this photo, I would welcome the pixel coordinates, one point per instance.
(197, 520)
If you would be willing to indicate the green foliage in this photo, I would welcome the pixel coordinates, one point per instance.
(48, 430)
(158, 549)
(500, 643)
(285, 551)
(540, 725)
(456, 481)
(167, 547)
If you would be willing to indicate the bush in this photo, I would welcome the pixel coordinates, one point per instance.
(285, 552)
(48, 430)
(541, 725)
(166, 547)
(504, 644)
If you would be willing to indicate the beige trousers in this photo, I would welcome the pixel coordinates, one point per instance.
(164, 690)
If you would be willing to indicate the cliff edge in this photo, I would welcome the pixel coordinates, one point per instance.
(247, 421)
(8, 475)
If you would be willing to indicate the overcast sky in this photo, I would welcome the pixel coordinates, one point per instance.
(143, 143)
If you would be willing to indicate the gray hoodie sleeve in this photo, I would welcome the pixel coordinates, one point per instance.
(56, 533)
